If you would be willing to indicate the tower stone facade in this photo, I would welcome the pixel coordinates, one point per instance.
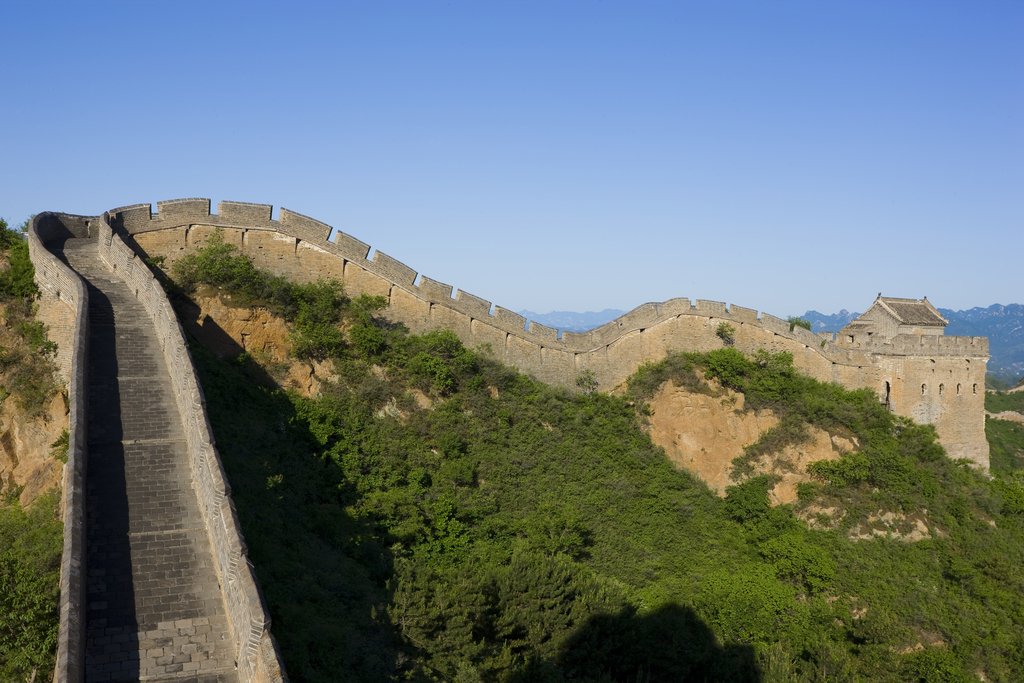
(923, 374)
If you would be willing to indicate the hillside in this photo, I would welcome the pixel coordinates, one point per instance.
(33, 448)
(434, 515)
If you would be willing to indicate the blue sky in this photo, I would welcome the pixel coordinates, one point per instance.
(783, 156)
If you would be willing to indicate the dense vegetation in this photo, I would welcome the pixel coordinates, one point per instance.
(434, 515)
(999, 402)
(30, 540)
(1005, 437)
(30, 551)
(26, 354)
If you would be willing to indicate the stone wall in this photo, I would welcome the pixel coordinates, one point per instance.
(258, 658)
(298, 246)
(63, 305)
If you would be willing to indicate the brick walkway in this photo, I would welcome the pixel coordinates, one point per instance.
(155, 611)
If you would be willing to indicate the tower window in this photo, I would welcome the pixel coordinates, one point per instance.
(923, 387)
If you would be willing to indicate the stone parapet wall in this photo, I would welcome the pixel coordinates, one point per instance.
(258, 659)
(64, 306)
(299, 247)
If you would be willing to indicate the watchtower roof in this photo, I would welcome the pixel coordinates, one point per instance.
(913, 311)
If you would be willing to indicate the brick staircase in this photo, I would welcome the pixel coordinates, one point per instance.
(155, 610)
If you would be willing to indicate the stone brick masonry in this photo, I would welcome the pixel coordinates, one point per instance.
(929, 377)
(154, 607)
(155, 582)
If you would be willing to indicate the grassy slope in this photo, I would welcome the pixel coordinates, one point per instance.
(356, 522)
(516, 532)
(30, 540)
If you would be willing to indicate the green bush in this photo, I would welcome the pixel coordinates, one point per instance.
(30, 552)
(1006, 444)
(17, 281)
(726, 333)
(795, 321)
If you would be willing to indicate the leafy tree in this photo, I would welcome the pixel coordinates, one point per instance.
(30, 552)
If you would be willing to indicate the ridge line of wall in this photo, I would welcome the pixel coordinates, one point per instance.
(255, 649)
(176, 213)
(59, 282)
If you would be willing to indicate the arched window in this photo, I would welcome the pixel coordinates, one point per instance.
(941, 387)
(975, 389)
(957, 389)
(923, 387)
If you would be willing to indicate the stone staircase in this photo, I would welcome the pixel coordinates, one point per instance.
(155, 610)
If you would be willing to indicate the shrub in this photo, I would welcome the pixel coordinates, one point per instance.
(18, 281)
(726, 333)
(795, 321)
(586, 381)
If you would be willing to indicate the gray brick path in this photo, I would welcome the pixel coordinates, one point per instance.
(155, 611)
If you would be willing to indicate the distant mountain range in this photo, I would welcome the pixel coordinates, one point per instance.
(573, 322)
(1003, 325)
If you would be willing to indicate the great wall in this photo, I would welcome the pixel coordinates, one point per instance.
(932, 378)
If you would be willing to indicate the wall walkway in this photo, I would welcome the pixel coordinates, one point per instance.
(154, 607)
(155, 583)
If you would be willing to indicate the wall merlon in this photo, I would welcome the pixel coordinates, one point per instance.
(747, 315)
(710, 308)
(434, 291)
(135, 218)
(802, 334)
(182, 210)
(543, 332)
(508, 319)
(676, 306)
(350, 246)
(583, 341)
(640, 317)
(307, 228)
(244, 213)
(605, 334)
(471, 304)
(400, 273)
(774, 324)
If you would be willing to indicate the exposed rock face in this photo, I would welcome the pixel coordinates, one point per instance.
(25, 459)
(228, 330)
(705, 432)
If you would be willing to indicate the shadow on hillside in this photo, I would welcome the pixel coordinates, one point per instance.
(668, 644)
(323, 575)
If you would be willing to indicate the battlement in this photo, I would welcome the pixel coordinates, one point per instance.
(139, 218)
(300, 247)
(912, 344)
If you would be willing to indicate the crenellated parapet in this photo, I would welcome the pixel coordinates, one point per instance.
(138, 219)
(301, 247)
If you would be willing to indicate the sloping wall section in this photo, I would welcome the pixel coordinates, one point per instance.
(64, 307)
(299, 246)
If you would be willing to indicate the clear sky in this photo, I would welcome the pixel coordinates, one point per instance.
(782, 156)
